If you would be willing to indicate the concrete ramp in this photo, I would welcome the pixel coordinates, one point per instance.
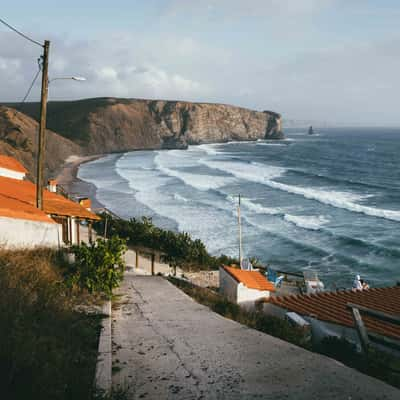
(166, 346)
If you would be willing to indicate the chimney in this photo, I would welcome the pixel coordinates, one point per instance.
(86, 203)
(52, 186)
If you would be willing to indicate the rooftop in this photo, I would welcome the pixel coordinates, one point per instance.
(251, 279)
(23, 193)
(12, 164)
(331, 307)
(12, 208)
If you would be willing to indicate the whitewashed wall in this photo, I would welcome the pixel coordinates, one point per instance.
(246, 297)
(24, 233)
(227, 286)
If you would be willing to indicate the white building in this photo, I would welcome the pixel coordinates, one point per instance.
(244, 287)
(24, 225)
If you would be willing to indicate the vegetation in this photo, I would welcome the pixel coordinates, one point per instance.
(178, 247)
(49, 348)
(99, 266)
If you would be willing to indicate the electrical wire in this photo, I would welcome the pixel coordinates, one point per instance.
(30, 88)
(20, 33)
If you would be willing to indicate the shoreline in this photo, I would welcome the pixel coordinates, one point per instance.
(75, 187)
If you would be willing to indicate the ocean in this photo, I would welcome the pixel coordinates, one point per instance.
(328, 202)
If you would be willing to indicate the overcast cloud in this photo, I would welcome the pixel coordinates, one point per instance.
(325, 60)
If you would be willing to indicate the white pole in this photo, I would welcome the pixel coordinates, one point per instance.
(240, 235)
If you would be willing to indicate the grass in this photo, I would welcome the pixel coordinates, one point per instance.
(48, 349)
(376, 363)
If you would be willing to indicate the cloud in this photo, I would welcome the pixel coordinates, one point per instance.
(112, 67)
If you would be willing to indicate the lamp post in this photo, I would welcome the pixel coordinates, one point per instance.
(42, 124)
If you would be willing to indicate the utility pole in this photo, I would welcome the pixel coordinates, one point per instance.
(240, 234)
(42, 126)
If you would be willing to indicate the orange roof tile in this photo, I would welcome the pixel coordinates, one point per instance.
(251, 279)
(331, 307)
(12, 164)
(53, 203)
(12, 208)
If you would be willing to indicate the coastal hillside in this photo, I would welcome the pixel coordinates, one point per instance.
(109, 124)
(18, 138)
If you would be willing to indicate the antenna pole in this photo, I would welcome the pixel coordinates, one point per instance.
(240, 234)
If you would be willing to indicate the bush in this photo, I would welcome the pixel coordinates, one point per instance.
(99, 266)
(178, 247)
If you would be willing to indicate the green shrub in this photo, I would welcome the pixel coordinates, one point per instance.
(99, 266)
(178, 247)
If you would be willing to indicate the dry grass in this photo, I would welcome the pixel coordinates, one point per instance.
(48, 350)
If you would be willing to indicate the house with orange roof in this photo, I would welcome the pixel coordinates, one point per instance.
(61, 222)
(329, 313)
(244, 287)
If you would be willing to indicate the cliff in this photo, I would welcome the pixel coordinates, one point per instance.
(109, 124)
(101, 125)
(18, 138)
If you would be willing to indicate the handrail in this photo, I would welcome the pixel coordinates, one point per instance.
(361, 329)
(394, 319)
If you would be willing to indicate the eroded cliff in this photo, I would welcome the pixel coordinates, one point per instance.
(110, 124)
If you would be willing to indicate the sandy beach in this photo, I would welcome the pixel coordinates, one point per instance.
(68, 179)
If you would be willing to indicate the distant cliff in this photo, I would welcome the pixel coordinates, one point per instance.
(109, 124)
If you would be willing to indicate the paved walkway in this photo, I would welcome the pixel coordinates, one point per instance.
(166, 346)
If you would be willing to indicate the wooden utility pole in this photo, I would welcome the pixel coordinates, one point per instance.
(240, 234)
(42, 126)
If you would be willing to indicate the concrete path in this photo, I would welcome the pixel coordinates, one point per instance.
(166, 346)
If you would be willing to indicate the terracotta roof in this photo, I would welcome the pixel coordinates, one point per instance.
(251, 279)
(331, 307)
(12, 164)
(53, 203)
(12, 208)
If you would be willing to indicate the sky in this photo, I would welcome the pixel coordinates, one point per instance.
(332, 61)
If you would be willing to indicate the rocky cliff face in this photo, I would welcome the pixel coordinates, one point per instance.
(109, 124)
(101, 125)
(18, 138)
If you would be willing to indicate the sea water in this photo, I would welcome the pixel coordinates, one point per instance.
(328, 202)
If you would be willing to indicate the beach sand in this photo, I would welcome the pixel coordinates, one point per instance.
(74, 186)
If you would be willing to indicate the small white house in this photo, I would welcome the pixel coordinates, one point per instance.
(244, 287)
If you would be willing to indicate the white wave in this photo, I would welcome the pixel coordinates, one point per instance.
(259, 209)
(270, 144)
(264, 174)
(252, 171)
(180, 198)
(210, 149)
(311, 222)
(198, 181)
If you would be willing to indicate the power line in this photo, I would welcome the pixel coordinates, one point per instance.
(20, 33)
(30, 87)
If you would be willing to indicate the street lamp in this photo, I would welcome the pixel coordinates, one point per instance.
(74, 78)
